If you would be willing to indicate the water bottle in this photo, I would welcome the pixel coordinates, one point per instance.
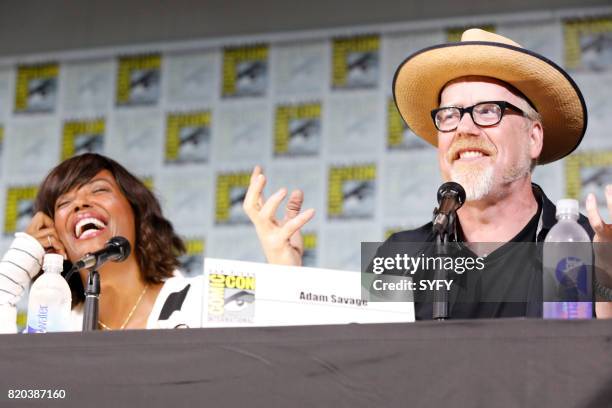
(50, 299)
(568, 261)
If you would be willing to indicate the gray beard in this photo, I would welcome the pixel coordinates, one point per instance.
(476, 183)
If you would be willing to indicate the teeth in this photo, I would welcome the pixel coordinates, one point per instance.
(88, 233)
(79, 226)
(468, 154)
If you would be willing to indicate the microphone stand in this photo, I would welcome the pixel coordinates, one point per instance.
(92, 299)
(440, 296)
(117, 249)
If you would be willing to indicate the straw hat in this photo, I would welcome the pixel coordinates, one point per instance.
(419, 80)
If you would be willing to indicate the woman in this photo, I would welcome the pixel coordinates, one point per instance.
(81, 204)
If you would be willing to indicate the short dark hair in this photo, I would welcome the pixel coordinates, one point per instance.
(157, 246)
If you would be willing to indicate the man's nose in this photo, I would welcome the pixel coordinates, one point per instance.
(466, 125)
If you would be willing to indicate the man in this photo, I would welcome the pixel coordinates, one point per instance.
(487, 104)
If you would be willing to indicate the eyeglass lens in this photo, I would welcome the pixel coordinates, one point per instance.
(483, 114)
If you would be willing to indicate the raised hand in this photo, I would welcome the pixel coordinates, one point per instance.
(603, 231)
(281, 240)
(42, 228)
(603, 243)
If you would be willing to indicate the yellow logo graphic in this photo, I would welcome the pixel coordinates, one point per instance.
(453, 34)
(82, 136)
(588, 43)
(351, 191)
(399, 135)
(188, 137)
(231, 189)
(309, 258)
(391, 231)
(19, 208)
(588, 172)
(138, 80)
(245, 71)
(297, 130)
(192, 260)
(231, 297)
(36, 88)
(148, 182)
(355, 62)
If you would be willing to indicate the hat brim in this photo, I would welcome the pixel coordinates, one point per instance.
(420, 79)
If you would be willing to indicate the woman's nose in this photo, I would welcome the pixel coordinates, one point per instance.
(81, 201)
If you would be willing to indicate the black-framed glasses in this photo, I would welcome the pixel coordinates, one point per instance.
(487, 113)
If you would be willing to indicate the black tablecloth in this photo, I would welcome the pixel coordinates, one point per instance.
(496, 363)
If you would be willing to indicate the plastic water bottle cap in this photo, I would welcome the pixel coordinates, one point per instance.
(567, 206)
(53, 263)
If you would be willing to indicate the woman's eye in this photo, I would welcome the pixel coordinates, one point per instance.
(100, 190)
(62, 204)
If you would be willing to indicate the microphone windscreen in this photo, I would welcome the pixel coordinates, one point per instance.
(123, 245)
(450, 187)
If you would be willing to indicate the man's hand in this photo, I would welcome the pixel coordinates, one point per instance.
(603, 231)
(281, 241)
(42, 228)
(602, 244)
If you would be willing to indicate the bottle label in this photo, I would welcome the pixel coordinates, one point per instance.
(573, 278)
(568, 310)
(39, 323)
(572, 294)
(48, 318)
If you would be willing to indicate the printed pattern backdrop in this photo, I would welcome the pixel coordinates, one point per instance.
(315, 111)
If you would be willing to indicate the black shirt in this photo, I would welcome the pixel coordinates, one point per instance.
(511, 278)
(510, 285)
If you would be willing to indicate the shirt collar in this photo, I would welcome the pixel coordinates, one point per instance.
(548, 214)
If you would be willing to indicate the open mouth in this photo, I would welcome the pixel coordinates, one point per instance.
(468, 154)
(89, 227)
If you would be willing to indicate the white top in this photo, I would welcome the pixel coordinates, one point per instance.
(568, 206)
(53, 263)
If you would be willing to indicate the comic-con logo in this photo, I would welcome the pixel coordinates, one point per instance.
(453, 34)
(399, 135)
(297, 130)
(138, 80)
(82, 137)
(588, 172)
(351, 191)
(36, 88)
(309, 258)
(188, 137)
(19, 208)
(231, 297)
(245, 71)
(588, 44)
(192, 261)
(231, 190)
(355, 62)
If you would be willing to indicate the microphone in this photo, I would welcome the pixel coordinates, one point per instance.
(451, 197)
(117, 249)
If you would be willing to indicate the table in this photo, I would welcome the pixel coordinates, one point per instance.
(486, 363)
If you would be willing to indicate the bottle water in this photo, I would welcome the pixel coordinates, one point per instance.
(50, 299)
(568, 261)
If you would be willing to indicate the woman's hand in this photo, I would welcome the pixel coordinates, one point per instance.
(42, 228)
(281, 241)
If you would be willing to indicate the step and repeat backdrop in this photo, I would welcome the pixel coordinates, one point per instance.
(314, 109)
